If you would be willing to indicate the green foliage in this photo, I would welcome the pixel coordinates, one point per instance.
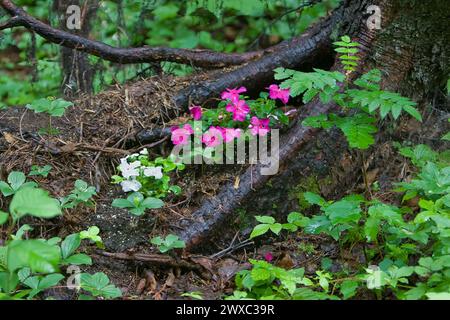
(81, 194)
(332, 86)
(407, 250)
(92, 234)
(15, 181)
(99, 285)
(137, 204)
(52, 106)
(35, 202)
(267, 223)
(347, 50)
(168, 243)
(40, 171)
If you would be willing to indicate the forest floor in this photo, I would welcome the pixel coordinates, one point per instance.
(99, 130)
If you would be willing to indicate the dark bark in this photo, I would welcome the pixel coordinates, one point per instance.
(78, 74)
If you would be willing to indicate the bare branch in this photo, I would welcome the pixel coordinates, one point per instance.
(199, 58)
(11, 23)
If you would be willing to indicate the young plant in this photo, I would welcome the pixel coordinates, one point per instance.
(137, 204)
(53, 107)
(16, 180)
(98, 285)
(267, 223)
(81, 194)
(40, 171)
(169, 243)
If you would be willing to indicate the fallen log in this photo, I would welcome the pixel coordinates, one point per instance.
(216, 210)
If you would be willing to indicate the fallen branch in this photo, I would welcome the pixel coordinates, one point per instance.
(313, 45)
(157, 259)
(199, 58)
(216, 210)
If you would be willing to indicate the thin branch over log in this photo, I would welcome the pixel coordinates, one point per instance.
(199, 58)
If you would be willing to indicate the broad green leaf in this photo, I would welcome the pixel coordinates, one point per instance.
(348, 288)
(34, 254)
(152, 203)
(79, 259)
(70, 244)
(259, 230)
(265, 219)
(3, 217)
(35, 202)
(16, 179)
(98, 285)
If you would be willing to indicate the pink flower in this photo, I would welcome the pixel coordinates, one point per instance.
(212, 137)
(259, 126)
(229, 134)
(180, 136)
(240, 109)
(268, 256)
(275, 92)
(233, 94)
(196, 112)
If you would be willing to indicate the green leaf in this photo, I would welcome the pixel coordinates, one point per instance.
(3, 217)
(79, 259)
(348, 288)
(343, 211)
(438, 295)
(122, 203)
(276, 228)
(98, 285)
(5, 189)
(413, 112)
(358, 131)
(314, 198)
(70, 244)
(16, 179)
(37, 255)
(260, 274)
(265, 219)
(259, 230)
(35, 202)
(152, 203)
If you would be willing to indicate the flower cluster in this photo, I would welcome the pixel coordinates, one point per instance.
(227, 123)
(139, 174)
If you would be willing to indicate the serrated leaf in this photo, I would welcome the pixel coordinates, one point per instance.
(35, 202)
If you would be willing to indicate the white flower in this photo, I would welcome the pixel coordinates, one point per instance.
(144, 151)
(153, 172)
(134, 155)
(130, 185)
(129, 170)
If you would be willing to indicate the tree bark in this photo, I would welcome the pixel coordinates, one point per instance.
(78, 74)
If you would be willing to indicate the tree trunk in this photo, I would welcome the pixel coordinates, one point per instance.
(77, 72)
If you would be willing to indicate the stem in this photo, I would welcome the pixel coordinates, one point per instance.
(366, 183)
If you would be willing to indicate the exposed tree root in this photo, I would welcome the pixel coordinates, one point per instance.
(161, 260)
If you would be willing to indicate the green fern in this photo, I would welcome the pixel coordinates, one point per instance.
(310, 84)
(367, 100)
(348, 49)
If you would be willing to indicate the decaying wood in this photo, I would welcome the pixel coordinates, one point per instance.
(216, 210)
(156, 259)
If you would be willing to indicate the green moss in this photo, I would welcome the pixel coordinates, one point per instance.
(309, 184)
